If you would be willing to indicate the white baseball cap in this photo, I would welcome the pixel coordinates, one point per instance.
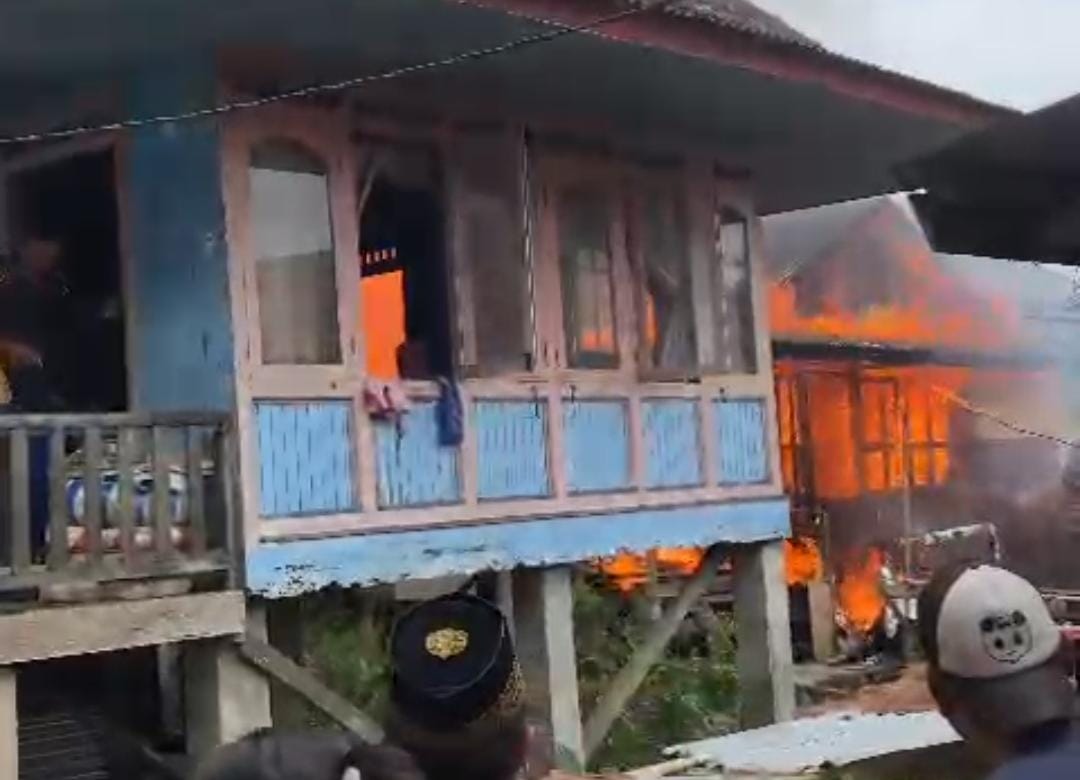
(994, 629)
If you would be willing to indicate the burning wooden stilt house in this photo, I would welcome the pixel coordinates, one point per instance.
(906, 389)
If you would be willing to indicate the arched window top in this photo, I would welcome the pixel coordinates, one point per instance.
(288, 156)
(293, 246)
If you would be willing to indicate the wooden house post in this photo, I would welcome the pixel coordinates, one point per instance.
(226, 698)
(9, 725)
(544, 630)
(763, 633)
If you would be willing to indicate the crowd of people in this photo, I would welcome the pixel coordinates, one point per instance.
(999, 668)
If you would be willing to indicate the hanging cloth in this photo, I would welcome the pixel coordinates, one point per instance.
(450, 414)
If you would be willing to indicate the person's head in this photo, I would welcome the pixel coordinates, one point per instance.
(40, 256)
(272, 754)
(998, 666)
(457, 691)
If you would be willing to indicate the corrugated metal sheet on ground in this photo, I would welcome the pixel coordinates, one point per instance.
(809, 744)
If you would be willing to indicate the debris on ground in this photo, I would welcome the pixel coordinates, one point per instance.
(809, 744)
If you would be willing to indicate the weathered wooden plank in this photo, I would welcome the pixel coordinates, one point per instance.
(118, 420)
(40, 634)
(20, 499)
(127, 454)
(9, 725)
(630, 677)
(413, 469)
(196, 494)
(228, 470)
(272, 662)
(58, 511)
(93, 454)
(160, 504)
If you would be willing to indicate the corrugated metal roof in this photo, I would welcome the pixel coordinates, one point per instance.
(736, 15)
(808, 744)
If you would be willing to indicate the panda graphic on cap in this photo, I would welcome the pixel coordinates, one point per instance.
(1007, 637)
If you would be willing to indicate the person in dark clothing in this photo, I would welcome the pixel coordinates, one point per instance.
(37, 328)
(1000, 671)
(38, 320)
(270, 754)
(457, 694)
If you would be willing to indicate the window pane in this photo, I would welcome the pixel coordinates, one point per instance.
(493, 275)
(588, 306)
(669, 313)
(294, 257)
(733, 308)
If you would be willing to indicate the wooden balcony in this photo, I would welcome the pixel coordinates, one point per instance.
(93, 502)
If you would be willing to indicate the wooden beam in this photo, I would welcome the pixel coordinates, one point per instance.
(40, 634)
(763, 635)
(9, 724)
(630, 677)
(544, 637)
(273, 663)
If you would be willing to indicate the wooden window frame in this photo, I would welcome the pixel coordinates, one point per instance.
(322, 133)
(556, 171)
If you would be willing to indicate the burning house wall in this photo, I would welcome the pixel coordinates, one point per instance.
(879, 344)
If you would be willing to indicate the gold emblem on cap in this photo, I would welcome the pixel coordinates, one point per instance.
(446, 643)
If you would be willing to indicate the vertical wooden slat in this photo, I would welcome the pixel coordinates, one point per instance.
(225, 452)
(20, 499)
(93, 455)
(125, 464)
(195, 490)
(58, 512)
(160, 505)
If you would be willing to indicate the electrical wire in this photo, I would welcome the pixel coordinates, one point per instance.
(323, 88)
(1015, 427)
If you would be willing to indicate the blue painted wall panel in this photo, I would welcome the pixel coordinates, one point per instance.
(511, 449)
(181, 327)
(279, 570)
(672, 443)
(305, 455)
(741, 442)
(413, 470)
(596, 438)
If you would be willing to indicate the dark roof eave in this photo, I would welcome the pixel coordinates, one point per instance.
(796, 348)
(765, 53)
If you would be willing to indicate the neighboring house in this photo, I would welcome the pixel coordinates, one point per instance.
(916, 390)
(564, 227)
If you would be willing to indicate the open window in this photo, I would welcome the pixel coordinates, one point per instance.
(584, 215)
(734, 341)
(293, 240)
(403, 272)
(668, 323)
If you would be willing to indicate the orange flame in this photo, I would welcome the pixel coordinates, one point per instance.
(911, 301)
(861, 424)
(802, 561)
(859, 595)
(629, 571)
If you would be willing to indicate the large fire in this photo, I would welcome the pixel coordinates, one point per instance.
(860, 598)
(846, 429)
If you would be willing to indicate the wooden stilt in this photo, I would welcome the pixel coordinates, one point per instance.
(763, 633)
(543, 612)
(630, 677)
(9, 725)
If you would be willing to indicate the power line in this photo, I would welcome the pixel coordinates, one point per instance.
(323, 88)
(1015, 427)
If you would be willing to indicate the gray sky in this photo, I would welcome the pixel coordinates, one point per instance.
(1021, 53)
